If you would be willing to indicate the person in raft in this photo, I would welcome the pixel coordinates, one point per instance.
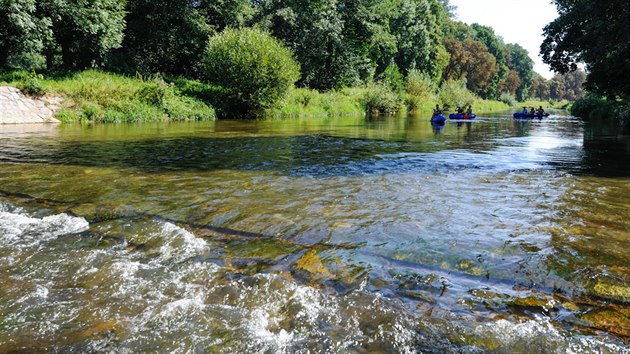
(540, 111)
(524, 110)
(460, 110)
(469, 110)
(532, 111)
(437, 110)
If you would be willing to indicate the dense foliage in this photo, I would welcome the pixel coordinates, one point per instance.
(521, 68)
(254, 69)
(348, 42)
(162, 36)
(413, 49)
(69, 33)
(597, 34)
(22, 33)
(567, 86)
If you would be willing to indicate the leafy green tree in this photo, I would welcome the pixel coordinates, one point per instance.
(449, 9)
(458, 30)
(495, 46)
(518, 60)
(253, 69)
(574, 85)
(226, 13)
(470, 60)
(539, 87)
(511, 83)
(596, 33)
(85, 31)
(22, 32)
(556, 88)
(314, 31)
(412, 23)
(167, 36)
(346, 42)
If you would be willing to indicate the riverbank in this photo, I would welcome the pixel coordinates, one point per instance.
(99, 97)
(596, 109)
(17, 108)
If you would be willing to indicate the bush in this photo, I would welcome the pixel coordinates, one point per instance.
(67, 116)
(92, 111)
(303, 102)
(31, 84)
(254, 69)
(133, 112)
(454, 93)
(508, 99)
(393, 78)
(419, 88)
(153, 94)
(95, 96)
(379, 98)
(30, 61)
(187, 108)
(592, 108)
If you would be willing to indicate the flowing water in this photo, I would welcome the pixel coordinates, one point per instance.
(344, 235)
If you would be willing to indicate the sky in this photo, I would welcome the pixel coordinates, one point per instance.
(516, 21)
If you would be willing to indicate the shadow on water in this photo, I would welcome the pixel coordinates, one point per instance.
(366, 146)
(606, 151)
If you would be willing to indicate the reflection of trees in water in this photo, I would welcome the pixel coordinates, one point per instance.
(591, 237)
(606, 150)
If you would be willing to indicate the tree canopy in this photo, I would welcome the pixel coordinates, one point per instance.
(518, 60)
(595, 33)
(337, 43)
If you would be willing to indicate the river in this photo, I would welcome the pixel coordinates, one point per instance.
(340, 235)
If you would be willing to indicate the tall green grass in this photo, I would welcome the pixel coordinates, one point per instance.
(489, 106)
(302, 102)
(545, 104)
(420, 91)
(95, 96)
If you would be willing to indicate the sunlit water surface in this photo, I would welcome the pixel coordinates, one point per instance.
(316, 235)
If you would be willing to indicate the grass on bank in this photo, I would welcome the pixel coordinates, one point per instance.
(372, 99)
(95, 96)
(302, 102)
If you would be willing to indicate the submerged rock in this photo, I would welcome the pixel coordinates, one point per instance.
(612, 292)
(311, 263)
(616, 321)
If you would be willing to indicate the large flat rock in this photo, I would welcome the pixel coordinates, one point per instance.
(17, 108)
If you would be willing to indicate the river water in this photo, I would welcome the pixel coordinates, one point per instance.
(341, 235)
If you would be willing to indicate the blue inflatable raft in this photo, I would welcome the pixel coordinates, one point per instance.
(439, 118)
(462, 116)
(529, 115)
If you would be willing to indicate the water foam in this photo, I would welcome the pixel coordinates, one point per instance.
(179, 244)
(546, 337)
(17, 227)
